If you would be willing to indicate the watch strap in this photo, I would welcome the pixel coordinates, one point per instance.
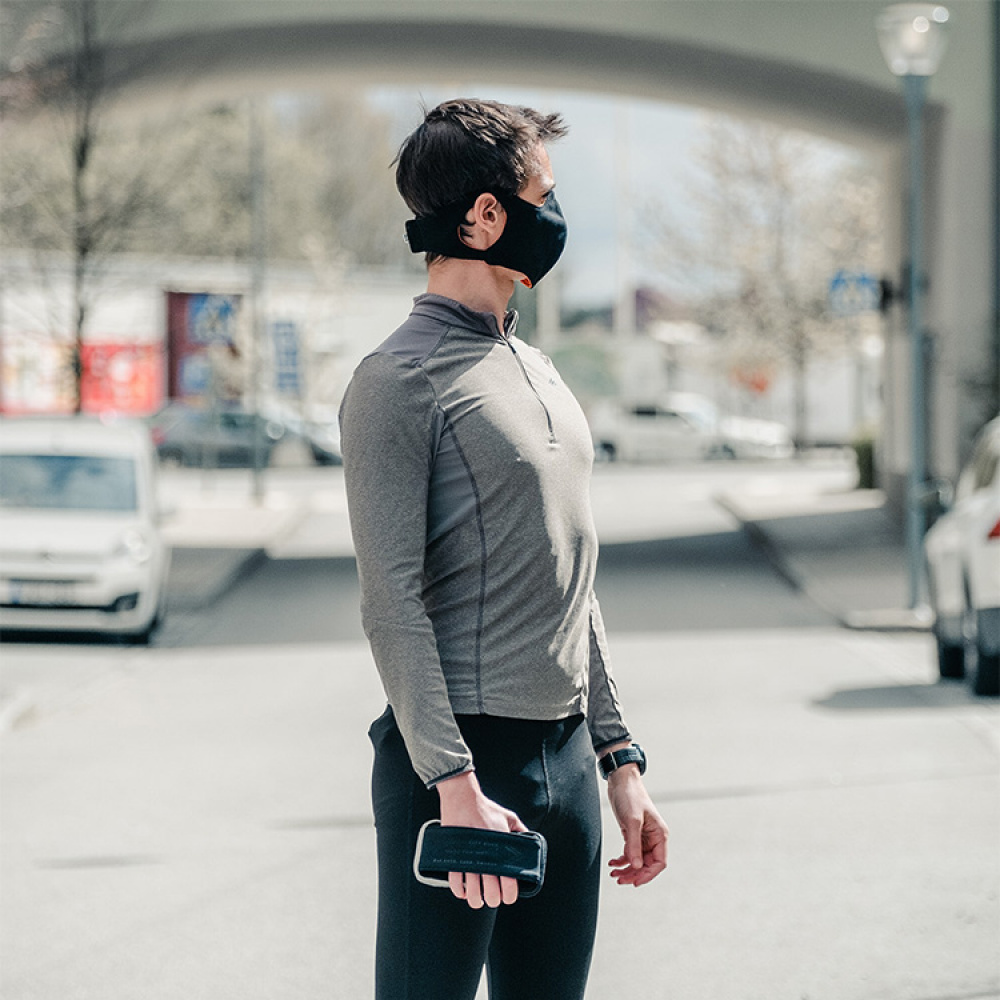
(610, 762)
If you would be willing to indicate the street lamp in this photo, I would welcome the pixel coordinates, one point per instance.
(912, 38)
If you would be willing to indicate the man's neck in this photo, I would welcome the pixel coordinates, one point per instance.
(474, 283)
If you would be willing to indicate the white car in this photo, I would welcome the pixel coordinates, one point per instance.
(963, 569)
(80, 545)
(683, 426)
(651, 432)
(747, 437)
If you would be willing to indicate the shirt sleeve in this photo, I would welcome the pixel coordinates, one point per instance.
(388, 429)
(604, 712)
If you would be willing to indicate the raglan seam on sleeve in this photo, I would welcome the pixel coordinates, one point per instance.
(449, 427)
(424, 358)
(609, 685)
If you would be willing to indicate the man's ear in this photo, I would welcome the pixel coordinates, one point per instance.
(484, 222)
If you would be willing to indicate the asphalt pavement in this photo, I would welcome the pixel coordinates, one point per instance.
(195, 823)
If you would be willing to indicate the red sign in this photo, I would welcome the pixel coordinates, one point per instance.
(757, 380)
(123, 378)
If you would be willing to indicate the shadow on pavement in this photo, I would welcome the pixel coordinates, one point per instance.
(944, 694)
(713, 581)
(33, 638)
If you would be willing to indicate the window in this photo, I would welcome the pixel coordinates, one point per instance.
(67, 482)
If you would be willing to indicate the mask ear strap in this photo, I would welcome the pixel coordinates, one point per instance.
(438, 233)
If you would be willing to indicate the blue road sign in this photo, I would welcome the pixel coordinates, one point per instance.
(286, 357)
(853, 293)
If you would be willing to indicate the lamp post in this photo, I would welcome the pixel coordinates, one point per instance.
(912, 38)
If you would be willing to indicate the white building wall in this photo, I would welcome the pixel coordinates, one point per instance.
(337, 319)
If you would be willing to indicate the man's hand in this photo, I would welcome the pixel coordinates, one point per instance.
(464, 804)
(643, 829)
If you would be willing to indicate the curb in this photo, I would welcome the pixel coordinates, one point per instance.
(242, 563)
(762, 540)
(877, 620)
(890, 620)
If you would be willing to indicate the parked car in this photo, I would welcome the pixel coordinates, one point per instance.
(81, 548)
(318, 431)
(963, 568)
(651, 432)
(225, 438)
(683, 426)
(748, 437)
(324, 441)
(194, 436)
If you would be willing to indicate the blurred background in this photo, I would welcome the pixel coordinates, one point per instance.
(198, 205)
(778, 307)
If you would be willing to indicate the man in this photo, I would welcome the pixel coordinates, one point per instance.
(467, 463)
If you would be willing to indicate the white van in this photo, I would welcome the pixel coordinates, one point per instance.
(80, 545)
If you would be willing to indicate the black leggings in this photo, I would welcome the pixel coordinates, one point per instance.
(432, 946)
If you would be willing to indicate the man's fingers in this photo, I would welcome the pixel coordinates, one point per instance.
(483, 890)
(492, 893)
(625, 873)
(509, 890)
(660, 853)
(632, 832)
(473, 891)
(487, 890)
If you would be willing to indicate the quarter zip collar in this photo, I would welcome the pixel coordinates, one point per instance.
(455, 313)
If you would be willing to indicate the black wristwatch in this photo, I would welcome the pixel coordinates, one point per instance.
(633, 754)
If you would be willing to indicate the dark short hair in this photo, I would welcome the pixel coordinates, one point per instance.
(465, 146)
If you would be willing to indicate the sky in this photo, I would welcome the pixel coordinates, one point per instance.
(619, 152)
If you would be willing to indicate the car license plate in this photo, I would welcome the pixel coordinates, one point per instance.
(47, 593)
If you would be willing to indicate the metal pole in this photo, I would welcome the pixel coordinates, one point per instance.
(624, 312)
(258, 250)
(996, 202)
(915, 88)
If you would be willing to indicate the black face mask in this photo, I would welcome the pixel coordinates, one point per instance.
(531, 242)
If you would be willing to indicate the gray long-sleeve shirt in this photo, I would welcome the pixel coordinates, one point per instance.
(467, 462)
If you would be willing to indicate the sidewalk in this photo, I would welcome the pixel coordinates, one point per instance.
(844, 550)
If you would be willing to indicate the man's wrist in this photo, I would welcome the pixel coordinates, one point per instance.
(624, 774)
(630, 757)
(458, 787)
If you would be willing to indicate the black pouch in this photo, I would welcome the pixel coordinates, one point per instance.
(443, 849)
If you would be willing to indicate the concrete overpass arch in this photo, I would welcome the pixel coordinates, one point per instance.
(236, 60)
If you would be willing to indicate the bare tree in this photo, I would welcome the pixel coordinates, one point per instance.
(770, 227)
(82, 200)
(329, 186)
